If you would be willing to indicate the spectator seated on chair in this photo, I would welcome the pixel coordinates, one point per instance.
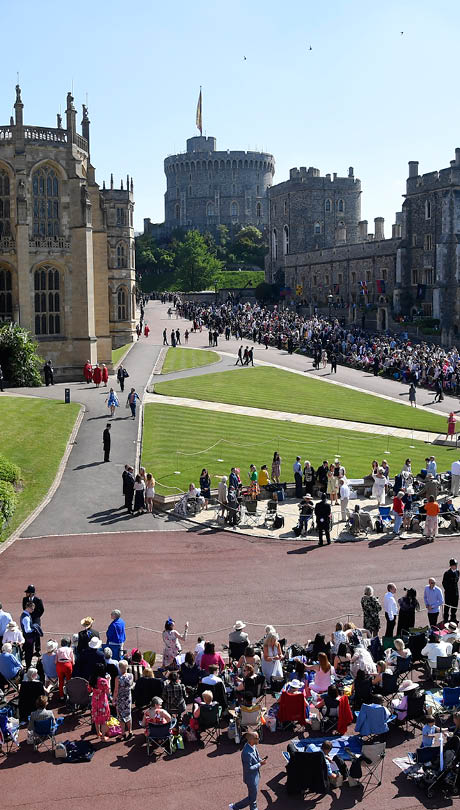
(48, 662)
(336, 768)
(382, 667)
(373, 718)
(155, 714)
(299, 673)
(317, 646)
(436, 648)
(362, 659)
(203, 710)
(453, 634)
(41, 712)
(174, 695)
(362, 689)
(400, 704)
(248, 683)
(237, 636)
(190, 672)
(324, 675)
(264, 480)
(293, 705)
(342, 660)
(136, 663)
(146, 688)
(337, 637)
(399, 651)
(29, 691)
(249, 657)
(212, 677)
(211, 657)
(10, 665)
(330, 707)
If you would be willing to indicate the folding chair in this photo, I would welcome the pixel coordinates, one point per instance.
(251, 515)
(235, 650)
(415, 716)
(270, 513)
(451, 697)
(403, 666)
(373, 770)
(329, 716)
(44, 732)
(9, 730)
(209, 722)
(443, 667)
(150, 657)
(250, 717)
(77, 695)
(159, 736)
(293, 709)
(384, 512)
(389, 686)
(388, 643)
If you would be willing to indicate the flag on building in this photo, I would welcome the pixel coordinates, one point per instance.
(380, 283)
(199, 113)
(363, 288)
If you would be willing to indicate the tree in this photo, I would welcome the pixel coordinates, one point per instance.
(19, 360)
(196, 267)
(248, 246)
(150, 258)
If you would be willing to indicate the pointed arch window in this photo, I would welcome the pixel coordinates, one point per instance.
(286, 240)
(209, 210)
(234, 209)
(47, 284)
(121, 255)
(6, 297)
(46, 208)
(275, 244)
(258, 210)
(122, 304)
(340, 206)
(328, 206)
(177, 208)
(5, 224)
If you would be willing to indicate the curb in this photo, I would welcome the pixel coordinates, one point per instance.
(57, 480)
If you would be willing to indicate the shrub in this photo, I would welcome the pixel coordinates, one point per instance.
(8, 471)
(18, 356)
(8, 501)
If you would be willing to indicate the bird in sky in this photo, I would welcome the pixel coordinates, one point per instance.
(310, 48)
(402, 32)
(244, 58)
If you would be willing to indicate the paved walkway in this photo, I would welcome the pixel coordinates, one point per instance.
(298, 418)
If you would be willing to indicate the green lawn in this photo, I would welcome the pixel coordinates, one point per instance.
(177, 359)
(34, 435)
(271, 388)
(245, 440)
(236, 279)
(118, 353)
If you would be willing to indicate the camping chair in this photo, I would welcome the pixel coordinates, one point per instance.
(415, 642)
(372, 720)
(251, 517)
(305, 770)
(235, 650)
(271, 513)
(389, 686)
(77, 695)
(388, 643)
(385, 517)
(293, 709)
(9, 730)
(415, 716)
(329, 715)
(251, 717)
(451, 697)
(442, 668)
(209, 722)
(159, 736)
(44, 732)
(403, 666)
(373, 770)
(150, 657)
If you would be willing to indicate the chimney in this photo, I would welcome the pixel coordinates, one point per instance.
(413, 168)
(362, 230)
(457, 156)
(351, 172)
(379, 228)
(396, 231)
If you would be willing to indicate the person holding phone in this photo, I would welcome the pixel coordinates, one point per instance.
(252, 763)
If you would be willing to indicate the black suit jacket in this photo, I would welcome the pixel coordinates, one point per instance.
(38, 610)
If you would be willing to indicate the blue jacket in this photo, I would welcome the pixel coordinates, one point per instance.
(116, 632)
(251, 764)
(372, 720)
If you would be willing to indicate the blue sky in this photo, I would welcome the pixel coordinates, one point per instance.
(365, 95)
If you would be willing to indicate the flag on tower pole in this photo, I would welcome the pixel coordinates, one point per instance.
(199, 114)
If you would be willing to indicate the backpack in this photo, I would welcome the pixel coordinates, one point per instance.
(296, 530)
(278, 523)
(378, 526)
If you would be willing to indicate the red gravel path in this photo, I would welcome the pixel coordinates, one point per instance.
(210, 579)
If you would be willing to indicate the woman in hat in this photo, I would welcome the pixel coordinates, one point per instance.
(89, 658)
(100, 709)
(171, 642)
(86, 634)
(400, 706)
(48, 661)
(14, 636)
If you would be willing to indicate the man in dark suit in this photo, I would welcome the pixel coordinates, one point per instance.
(128, 489)
(106, 442)
(38, 612)
(323, 519)
(251, 771)
(450, 585)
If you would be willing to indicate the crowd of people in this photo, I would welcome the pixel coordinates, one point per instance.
(328, 340)
(350, 666)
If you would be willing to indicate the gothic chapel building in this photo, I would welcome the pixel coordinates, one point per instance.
(66, 245)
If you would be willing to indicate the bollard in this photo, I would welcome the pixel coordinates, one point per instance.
(66, 395)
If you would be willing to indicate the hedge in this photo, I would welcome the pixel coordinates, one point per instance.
(9, 471)
(8, 501)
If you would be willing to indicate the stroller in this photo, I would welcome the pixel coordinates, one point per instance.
(433, 777)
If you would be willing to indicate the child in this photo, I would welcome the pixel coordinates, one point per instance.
(429, 731)
(338, 637)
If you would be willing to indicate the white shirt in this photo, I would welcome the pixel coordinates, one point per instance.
(455, 469)
(344, 491)
(209, 680)
(390, 605)
(5, 619)
(199, 650)
(432, 650)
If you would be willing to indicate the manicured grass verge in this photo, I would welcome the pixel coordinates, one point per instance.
(117, 353)
(236, 279)
(34, 435)
(274, 389)
(177, 359)
(245, 440)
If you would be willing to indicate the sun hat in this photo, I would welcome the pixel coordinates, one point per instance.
(87, 621)
(95, 643)
(239, 625)
(452, 626)
(407, 686)
(51, 645)
(295, 684)
(12, 626)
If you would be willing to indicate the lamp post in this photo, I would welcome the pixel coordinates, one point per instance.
(330, 299)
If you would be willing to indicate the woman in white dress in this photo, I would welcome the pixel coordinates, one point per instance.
(272, 657)
(378, 489)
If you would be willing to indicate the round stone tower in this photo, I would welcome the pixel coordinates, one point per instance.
(207, 188)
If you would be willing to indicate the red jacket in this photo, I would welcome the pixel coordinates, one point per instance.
(345, 714)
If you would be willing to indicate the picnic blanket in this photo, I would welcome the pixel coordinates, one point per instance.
(351, 741)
